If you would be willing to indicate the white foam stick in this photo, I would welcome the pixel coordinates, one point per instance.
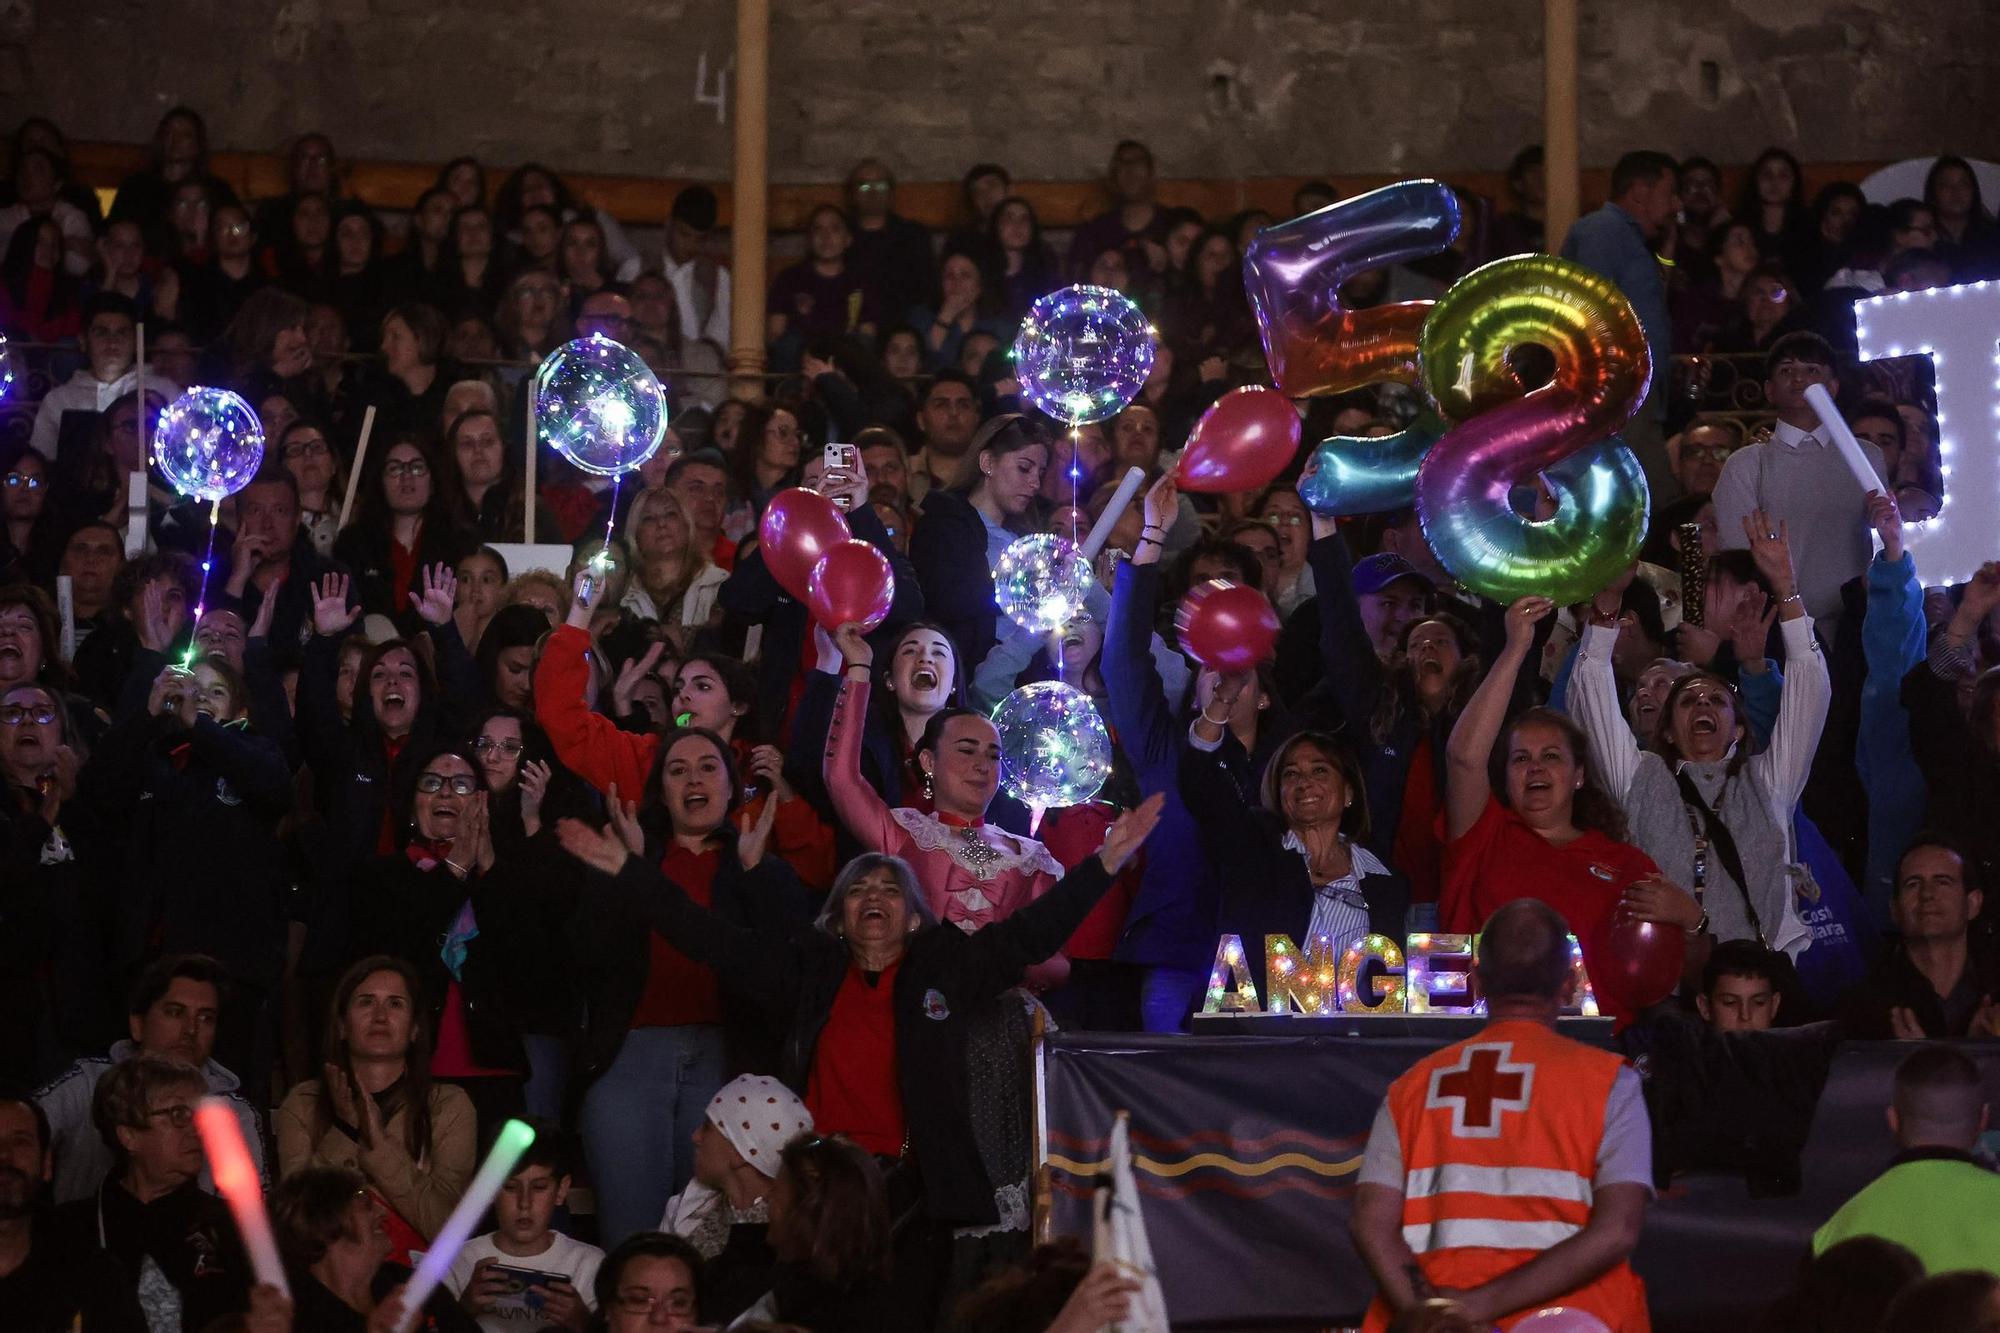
(66, 607)
(512, 1141)
(139, 385)
(360, 457)
(528, 477)
(1100, 531)
(135, 507)
(1843, 438)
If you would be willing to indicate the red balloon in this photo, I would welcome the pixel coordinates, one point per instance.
(1241, 443)
(1227, 626)
(799, 526)
(1644, 959)
(852, 581)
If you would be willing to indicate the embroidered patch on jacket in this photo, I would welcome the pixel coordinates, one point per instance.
(935, 1008)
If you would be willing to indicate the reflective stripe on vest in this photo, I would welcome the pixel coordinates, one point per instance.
(1485, 1233)
(1507, 1181)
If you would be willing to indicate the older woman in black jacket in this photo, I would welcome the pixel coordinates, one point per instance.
(438, 905)
(1295, 863)
(883, 1068)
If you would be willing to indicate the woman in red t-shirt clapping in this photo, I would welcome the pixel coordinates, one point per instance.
(1522, 819)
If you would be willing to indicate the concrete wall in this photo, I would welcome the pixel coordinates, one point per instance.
(1220, 88)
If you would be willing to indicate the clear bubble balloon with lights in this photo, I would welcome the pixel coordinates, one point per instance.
(1040, 582)
(599, 405)
(1083, 353)
(1054, 748)
(208, 446)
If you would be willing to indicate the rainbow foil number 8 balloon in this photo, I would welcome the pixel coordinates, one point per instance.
(1479, 491)
(1083, 353)
(599, 405)
(209, 444)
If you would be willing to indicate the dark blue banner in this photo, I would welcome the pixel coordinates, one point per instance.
(1246, 1149)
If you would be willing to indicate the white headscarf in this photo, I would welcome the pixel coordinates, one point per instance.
(759, 1116)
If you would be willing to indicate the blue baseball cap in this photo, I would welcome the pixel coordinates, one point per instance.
(1378, 571)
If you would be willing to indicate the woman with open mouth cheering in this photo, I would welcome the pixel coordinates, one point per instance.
(1714, 816)
(1524, 819)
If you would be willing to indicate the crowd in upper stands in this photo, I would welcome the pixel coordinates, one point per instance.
(397, 840)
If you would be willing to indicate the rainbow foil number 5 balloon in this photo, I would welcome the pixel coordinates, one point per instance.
(1530, 491)
(1293, 273)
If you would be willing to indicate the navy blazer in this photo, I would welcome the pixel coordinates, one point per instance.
(1265, 887)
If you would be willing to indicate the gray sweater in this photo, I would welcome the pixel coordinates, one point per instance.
(1756, 802)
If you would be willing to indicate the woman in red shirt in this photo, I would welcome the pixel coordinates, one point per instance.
(654, 1048)
(1525, 822)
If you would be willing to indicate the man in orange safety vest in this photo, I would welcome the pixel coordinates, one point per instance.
(1510, 1172)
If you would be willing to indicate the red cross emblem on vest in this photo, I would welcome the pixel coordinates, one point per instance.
(1481, 1086)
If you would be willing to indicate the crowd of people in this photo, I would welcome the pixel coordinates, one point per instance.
(393, 842)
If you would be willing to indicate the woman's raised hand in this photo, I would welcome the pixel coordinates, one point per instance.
(854, 649)
(332, 616)
(1523, 616)
(1123, 837)
(440, 592)
(600, 849)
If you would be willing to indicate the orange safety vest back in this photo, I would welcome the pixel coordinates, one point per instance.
(1500, 1135)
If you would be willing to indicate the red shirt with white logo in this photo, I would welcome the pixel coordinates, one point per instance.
(1500, 858)
(855, 1087)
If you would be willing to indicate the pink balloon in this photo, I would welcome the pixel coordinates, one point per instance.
(1563, 1319)
(852, 581)
(1643, 961)
(799, 526)
(1241, 443)
(1226, 626)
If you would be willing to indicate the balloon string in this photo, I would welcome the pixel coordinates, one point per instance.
(207, 562)
(1075, 474)
(612, 521)
(1075, 507)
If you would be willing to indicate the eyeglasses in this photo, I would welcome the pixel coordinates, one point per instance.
(34, 481)
(15, 715)
(180, 1117)
(1286, 520)
(871, 187)
(237, 229)
(488, 744)
(306, 449)
(646, 1302)
(416, 467)
(430, 784)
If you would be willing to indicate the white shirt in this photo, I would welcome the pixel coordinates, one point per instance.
(84, 392)
(572, 1260)
(1802, 479)
(715, 326)
(1340, 909)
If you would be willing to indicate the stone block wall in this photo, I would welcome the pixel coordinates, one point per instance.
(1220, 88)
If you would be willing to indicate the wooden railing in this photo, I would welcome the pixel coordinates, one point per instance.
(936, 204)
